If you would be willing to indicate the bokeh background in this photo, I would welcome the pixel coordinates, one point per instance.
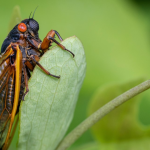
(116, 38)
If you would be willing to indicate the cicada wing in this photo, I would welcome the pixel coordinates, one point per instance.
(12, 96)
(6, 54)
(7, 87)
(13, 130)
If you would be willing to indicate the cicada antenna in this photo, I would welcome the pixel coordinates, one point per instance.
(34, 11)
(30, 14)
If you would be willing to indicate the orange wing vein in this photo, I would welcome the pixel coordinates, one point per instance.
(10, 78)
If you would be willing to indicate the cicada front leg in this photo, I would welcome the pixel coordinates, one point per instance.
(49, 39)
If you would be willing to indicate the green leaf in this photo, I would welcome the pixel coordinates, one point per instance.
(87, 146)
(15, 18)
(138, 144)
(134, 144)
(144, 108)
(48, 109)
(121, 124)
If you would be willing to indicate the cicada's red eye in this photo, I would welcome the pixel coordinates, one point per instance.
(22, 27)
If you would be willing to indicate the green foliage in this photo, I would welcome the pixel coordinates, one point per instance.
(122, 125)
(134, 144)
(48, 109)
(88, 146)
(115, 36)
(15, 18)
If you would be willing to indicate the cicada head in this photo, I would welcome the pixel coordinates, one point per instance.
(30, 26)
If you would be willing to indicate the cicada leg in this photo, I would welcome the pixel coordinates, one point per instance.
(49, 39)
(26, 80)
(47, 72)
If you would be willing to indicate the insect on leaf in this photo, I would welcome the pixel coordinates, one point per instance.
(48, 109)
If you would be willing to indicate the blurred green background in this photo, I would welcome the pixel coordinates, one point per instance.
(116, 38)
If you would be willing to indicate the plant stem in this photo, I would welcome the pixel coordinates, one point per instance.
(100, 113)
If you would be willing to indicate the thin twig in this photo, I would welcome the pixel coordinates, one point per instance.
(100, 113)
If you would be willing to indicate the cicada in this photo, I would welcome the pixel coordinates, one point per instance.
(20, 52)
